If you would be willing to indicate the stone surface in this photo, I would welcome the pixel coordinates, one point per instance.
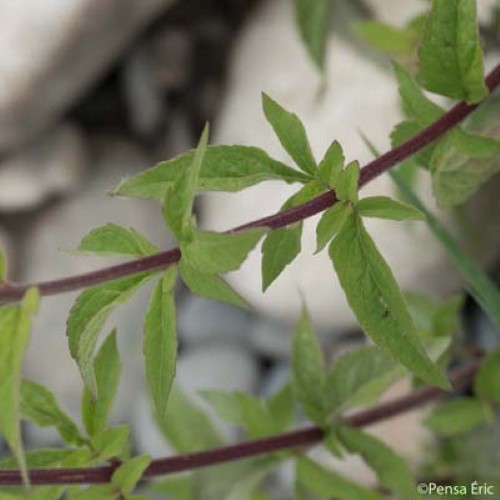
(54, 164)
(359, 96)
(51, 52)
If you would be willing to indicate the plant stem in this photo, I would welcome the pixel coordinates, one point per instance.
(308, 436)
(13, 292)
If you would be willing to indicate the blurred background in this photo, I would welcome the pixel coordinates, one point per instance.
(93, 91)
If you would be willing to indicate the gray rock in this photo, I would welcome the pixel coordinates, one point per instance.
(51, 52)
(54, 164)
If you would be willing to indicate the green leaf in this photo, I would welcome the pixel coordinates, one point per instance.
(487, 381)
(180, 195)
(346, 188)
(111, 443)
(377, 302)
(224, 168)
(391, 469)
(244, 410)
(281, 407)
(391, 39)
(415, 104)
(331, 223)
(40, 406)
(457, 416)
(291, 134)
(313, 19)
(461, 162)
(210, 286)
(215, 253)
(97, 492)
(88, 315)
(451, 59)
(186, 427)
(331, 165)
(383, 207)
(477, 282)
(129, 474)
(107, 370)
(160, 340)
(15, 329)
(328, 483)
(179, 487)
(308, 370)
(3, 265)
(113, 239)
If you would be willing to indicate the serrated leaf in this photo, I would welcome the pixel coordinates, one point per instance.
(244, 410)
(460, 163)
(112, 239)
(346, 188)
(451, 59)
(186, 427)
(487, 380)
(88, 315)
(383, 207)
(331, 223)
(15, 330)
(391, 469)
(40, 406)
(313, 19)
(111, 443)
(457, 416)
(291, 134)
(107, 370)
(160, 340)
(328, 483)
(129, 473)
(210, 286)
(391, 39)
(332, 164)
(215, 253)
(377, 302)
(308, 370)
(224, 168)
(180, 195)
(416, 105)
(477, 282)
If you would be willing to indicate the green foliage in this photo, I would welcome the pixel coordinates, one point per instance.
(346, 186)
(331, 222)
(487, 381)
(107, 370)
(451, 59)
(113, 239)
(377, 302)
(331, 165)
(126, 477)
(110, 443)
(383, 207)
(313, 19)
(160, 341)
(458, 416)
(15, 329)
(391, 469)
(3, 266)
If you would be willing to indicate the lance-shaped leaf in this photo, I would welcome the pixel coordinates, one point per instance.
(451, 59)
(346, 187)
(88, 315)
(331, 223)
(313, 19)
(224, 168)
(180, 195)
(331, 165)
(383, 207)
(330, 484)
(487, 381)
(15, 329)
(308, 370)
(111, 443)
(461, 162)
(291, 134)
(40, 406)
(126, 477)
(391, 469)
(113, 239)
(377, 302)
(391, 39)
(107, 370)
(215, 253)
(210, 286)
(160, 341)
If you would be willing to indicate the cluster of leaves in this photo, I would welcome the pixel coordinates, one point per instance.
(411, 335)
